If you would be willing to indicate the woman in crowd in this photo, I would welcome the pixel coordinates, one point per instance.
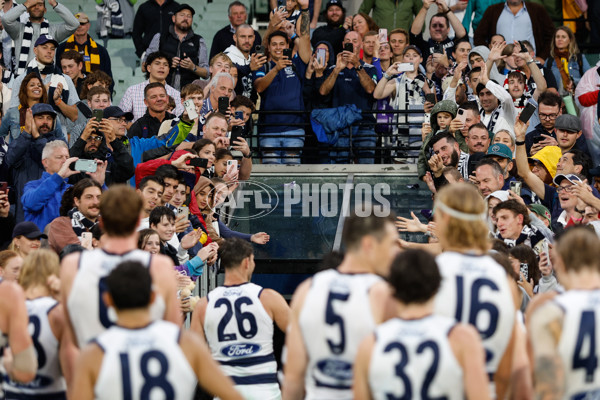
(10, 265)
(32, 91)
(525, 266)
(26, 238)
(53, 341)
(362, 24)
(566, 61)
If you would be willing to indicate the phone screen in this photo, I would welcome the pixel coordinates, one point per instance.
(321, 56)
(527, 112)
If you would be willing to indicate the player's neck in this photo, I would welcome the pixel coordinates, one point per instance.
(584, 279)
(119, 245)
(33, 292)
(354, 263)
(414, 310)
(131, 319)
(235, 277)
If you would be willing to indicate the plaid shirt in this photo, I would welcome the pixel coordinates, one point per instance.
(133, 100)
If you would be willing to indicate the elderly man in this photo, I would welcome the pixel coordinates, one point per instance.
(24, 34)
(238, 14)
(221, 85)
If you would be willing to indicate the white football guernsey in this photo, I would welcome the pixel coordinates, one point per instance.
(475, 291)
(579, 344)
(88, 314)
(335, 318)
(413, 359)
(144, 363)
(49, 381)
(239, 333)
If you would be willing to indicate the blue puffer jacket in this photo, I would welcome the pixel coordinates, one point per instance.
(329, 123)
(41, 199)
(24, 159)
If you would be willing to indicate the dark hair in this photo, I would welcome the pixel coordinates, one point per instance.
(331, 260)
(549, 98)
(233, 251)
(130, 285)
(355, 228)
(278, 33)
(151, 86)
(496, 168)
(158, 213)
(371, 24)
(516, 74)
(499, 246)
(526, 255)
(504, 262)
(441, 15)
(443, 135)
(143, 236)
(578, 248)
(168, 171)
(581, 158)
(414, 276)
(83, 184)
(120, 208)
(94, 90)
(516, 208)
(236, 4)
(155, 56)
(150, 178)
(470, 105)
(222, 153)
(243, 101)
(527, 44)
(23, 98)
(201, 143)
(96, 231)
(92, 78)
(190, 89)
(479, 125)
(72, 55)
(66, 203)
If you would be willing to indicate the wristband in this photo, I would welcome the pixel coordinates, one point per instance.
(248, 156)
(388, 77)
(520, 143)
(58, 101)
(305, 10)
(530, 62)
(294, 36)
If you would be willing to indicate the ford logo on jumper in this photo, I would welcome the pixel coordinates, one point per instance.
(240, 350)
(336, 369)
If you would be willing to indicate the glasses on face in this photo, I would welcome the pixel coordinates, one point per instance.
(548, 116)
(568, 189)
(119, 120)
(95, 138)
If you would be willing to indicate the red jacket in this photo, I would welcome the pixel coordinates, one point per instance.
(149, 167)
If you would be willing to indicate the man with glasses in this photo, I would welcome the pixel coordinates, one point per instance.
(544, 134)
(101, 141)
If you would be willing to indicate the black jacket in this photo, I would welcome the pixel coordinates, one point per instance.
(151, 19)
(120, 166)
(190, 47)
(147, 126)
(333, 35)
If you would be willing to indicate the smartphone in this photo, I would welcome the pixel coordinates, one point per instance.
(321, 54)
(431, 97)
(260, 50)
(349, 47)
(86, 165)
(98, 114)
(438, 48)
(523, 47)
(86, 239)
(524, 272)
(198, 162)
(383, 35)
(190, 108)
(405, 67)
(288, 53)
(527, 112)
(223, 105)
(538, 139)
(461, 116)
(515, 186)
(239, 115)
(236, 132)
(232, 162)
(427, 118)
(183, 210)
(281, 9)
(3, 187)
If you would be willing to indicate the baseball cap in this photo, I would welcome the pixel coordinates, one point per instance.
(185, 6)
(43, 39)
(42, 108)
(116, 112)
(29, 230)
(500, 150)
(335, 3)
(568, 122)
(501, 195)
(412, 47)
(570, 177)
(82, 18)
(541, 211)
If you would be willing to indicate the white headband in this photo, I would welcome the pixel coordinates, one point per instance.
(459, 214)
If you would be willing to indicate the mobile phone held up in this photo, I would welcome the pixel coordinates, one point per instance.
(98, 114)
(527, 112)
(288, 53)
(321, 54)
(236, 133)
(86, 165)
(223, 104)
(190, 108)
(383, 37)
(198, 162)
(349, 47)
(260, 50)
(405, 67)
(515, 187)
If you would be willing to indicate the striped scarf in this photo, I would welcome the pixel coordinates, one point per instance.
(91, 53)
(27, 43)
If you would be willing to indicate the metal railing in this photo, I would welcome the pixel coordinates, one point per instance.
(392, 138)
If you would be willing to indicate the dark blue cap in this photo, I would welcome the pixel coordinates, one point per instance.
(43, 108)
